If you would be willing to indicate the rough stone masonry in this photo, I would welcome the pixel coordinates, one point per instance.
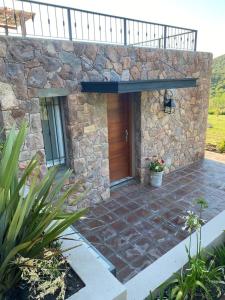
(31, 67)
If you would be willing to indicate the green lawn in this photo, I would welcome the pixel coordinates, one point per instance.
(217, 132)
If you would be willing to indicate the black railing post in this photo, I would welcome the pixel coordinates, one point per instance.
(165, 36)
(69, 24)
(125, 30)
(195, 45)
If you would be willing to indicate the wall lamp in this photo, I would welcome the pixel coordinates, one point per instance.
(169, 102)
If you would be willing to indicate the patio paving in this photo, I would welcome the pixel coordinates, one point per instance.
(138, 224)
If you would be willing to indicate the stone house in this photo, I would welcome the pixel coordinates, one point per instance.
(104, 132)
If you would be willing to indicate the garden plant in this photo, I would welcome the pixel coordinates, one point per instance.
(30, 220)
(157, 165)
(203, 276)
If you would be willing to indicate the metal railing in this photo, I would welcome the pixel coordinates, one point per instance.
(52, 128)
(37, 19)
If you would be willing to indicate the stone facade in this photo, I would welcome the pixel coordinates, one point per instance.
(178, 138)
(31, 67)
(88, 147)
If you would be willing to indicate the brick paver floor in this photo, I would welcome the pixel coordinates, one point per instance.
(138, 224)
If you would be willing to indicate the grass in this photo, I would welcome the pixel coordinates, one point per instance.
(217, 133)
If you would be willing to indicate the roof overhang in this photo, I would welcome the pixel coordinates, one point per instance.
(133, 86)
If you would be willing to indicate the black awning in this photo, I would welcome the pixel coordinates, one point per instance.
(136, 86)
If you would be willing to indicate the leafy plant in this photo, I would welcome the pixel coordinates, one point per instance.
(221, 146)
(29, 221)
(218, 77)
(1, 146)
(219, 255)
(1, 141)
(157, 165)
(164, 293)
(200, 278)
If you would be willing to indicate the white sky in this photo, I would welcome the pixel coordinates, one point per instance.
(207, 16)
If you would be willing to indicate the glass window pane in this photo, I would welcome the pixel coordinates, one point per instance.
(52, 131)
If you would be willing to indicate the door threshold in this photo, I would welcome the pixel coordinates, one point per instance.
(120, 181)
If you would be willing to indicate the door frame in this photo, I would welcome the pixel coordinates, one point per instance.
(131, 143)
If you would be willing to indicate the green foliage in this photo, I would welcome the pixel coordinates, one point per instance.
(1, 147)
(202, 204)
(29, 221)
(217, 104)
(217, 132)
(201, 278)
(218, 76)
(219, 255)
(211, 111)
(157, 165)
(1, 141)
(217, 97)
(221, 146)
(164, 293)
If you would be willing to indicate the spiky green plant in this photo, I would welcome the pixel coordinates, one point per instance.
(28, 221)
(1, 141)
(219, 255)
(201, 277)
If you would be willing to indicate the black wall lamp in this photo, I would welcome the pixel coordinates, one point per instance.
(169, 102)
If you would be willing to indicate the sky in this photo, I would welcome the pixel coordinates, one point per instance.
(207, 16)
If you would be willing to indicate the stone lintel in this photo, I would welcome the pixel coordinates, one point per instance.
(53, 92)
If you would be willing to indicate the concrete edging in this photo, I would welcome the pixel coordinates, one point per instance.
(100, 284)
(162, 269)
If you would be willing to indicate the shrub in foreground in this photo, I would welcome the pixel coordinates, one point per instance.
(221, 146)
(29, 221)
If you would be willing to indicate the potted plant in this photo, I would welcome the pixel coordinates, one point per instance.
(156, 168)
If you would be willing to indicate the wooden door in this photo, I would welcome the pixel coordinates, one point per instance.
(119, 136)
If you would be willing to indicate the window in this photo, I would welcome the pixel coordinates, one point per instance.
(52, 128)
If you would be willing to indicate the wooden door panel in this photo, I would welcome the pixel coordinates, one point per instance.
(119, 147)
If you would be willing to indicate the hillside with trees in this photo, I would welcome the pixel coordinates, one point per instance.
(217, 98)
(215, 140)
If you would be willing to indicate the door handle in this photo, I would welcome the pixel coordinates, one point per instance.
(126, 135)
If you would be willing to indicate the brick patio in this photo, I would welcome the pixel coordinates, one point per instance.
(138, 224)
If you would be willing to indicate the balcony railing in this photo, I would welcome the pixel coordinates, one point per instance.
(37, 19)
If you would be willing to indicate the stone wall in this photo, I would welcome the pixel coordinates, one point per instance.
(178, 138)
(30, 68)
(87, 127)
